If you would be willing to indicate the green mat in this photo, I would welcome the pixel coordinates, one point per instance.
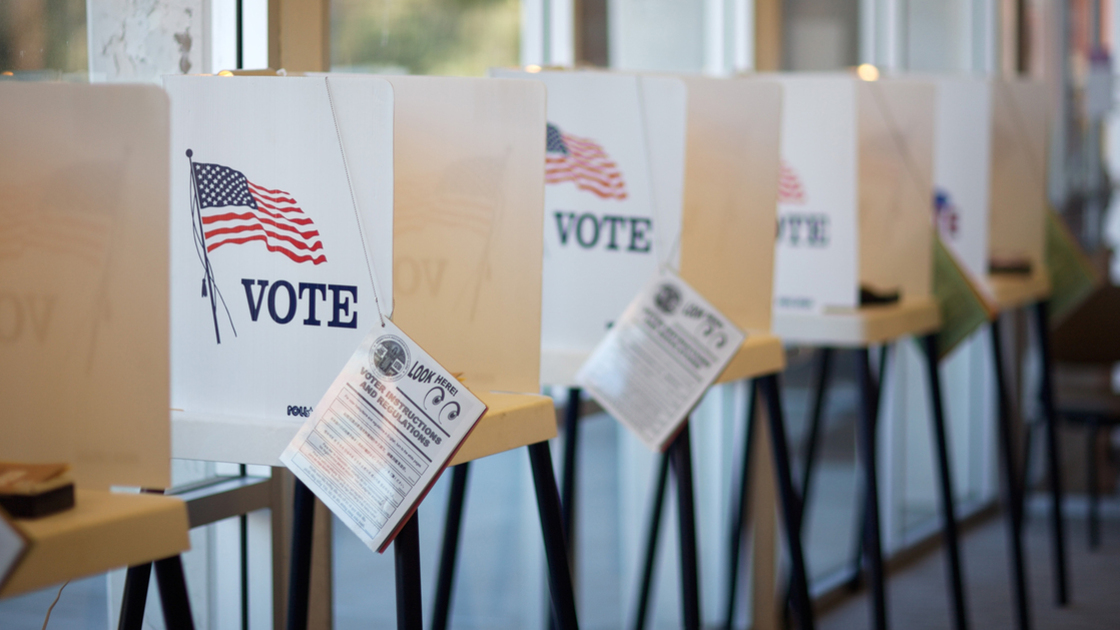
(963, 310)
(1072, 277)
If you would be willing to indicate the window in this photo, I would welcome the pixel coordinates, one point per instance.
(445, 37)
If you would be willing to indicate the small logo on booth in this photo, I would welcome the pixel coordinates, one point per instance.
(228, 209)
(790, 189)
(389, 357)
(945, 213)
(667, 299)
(583, 162)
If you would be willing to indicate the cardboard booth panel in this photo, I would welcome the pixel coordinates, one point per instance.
(281, 217)
(961, 163)
(1018, 187)
(816, 262)
(84, 280)
(606, 226)
(469, 171)
(895, 185)
(731, 193)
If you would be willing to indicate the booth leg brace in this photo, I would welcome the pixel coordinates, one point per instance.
(552, 529)
(1054, 468)
(172, 595)
(679, 458)
(1012, 493)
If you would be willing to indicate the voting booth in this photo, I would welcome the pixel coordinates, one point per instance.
(990, 183)
(854, 261)
(83, 318)
(614, 178)
(991, 207)
(853, 207)
(433, 223)
(427, 193)
(272, 260)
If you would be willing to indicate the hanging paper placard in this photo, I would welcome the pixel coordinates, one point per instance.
(659, 358)
(382, 434)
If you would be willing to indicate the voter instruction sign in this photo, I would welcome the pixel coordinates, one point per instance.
(660, 357)
(382, 434)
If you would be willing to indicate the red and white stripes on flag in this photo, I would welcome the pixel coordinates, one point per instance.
(790, 189)
(234, 210)
(583, 162)
(73, 233)
(73, 217)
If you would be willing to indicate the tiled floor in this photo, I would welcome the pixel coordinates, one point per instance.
(918, 600)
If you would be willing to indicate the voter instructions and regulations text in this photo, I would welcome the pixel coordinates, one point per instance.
(659, 358)
(381, 435)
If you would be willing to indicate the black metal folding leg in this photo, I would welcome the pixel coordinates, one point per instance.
(445, 579)
(1057, 523)
(791, 505)
(552, 528)
(948, 509)
(568, 472)
(652, 533)
(861, 492)
(406, 556)
(173, 594)
(243, 532)
(680, 457)
(1093, 429)
(135, 597)
(872, 547)
(812, 439)
(299, 581)
(1011, 491)
(568, 468)
(740, 501)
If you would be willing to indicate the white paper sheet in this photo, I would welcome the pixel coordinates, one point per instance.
(382, 434)
(659, 358)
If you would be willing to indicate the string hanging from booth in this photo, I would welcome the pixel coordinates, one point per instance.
(899, 141)
(354, 202)
(667, 258)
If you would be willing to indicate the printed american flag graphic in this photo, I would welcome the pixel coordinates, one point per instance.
(583, 162)
(234, 211)
(74, 216)
(83, 236)
(790, 189)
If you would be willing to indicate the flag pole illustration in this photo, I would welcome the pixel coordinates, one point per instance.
(208, 288)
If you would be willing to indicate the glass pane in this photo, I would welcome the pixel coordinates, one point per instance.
(448, 37)
(43, 39)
